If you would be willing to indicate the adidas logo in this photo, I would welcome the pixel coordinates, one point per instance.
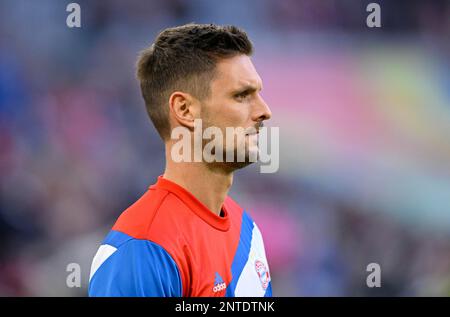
(219, 285)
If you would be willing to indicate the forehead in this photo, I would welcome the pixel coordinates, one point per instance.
(236, 72)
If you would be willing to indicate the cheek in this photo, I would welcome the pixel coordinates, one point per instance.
(225, 112)
(218, 114)
(233, 114)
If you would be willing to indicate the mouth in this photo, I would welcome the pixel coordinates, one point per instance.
(252, 133)
(254, 130)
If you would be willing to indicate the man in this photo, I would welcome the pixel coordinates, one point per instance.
(185, 236)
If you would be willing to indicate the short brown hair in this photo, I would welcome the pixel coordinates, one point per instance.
(184, 58)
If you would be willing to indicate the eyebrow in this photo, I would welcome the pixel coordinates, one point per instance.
(247, 88)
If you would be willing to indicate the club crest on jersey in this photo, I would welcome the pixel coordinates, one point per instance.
(263, 274)
(219, 284)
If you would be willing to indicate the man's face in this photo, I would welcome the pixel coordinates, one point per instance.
(235, 102)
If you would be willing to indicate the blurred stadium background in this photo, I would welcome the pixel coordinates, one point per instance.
(365, 139)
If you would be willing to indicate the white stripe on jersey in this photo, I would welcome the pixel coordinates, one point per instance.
(249, 283)
(103, 253)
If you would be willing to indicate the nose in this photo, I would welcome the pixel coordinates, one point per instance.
(262, 110)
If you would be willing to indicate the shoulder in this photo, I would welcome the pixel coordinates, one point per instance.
(125, 266)
(145, 244)
(156, 212)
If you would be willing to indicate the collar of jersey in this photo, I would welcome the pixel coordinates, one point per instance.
(220, 223)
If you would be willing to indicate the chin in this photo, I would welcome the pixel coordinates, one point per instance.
(238, 165)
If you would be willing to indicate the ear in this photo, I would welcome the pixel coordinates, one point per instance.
(182, 108)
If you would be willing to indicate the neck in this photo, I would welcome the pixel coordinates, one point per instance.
(209, 184)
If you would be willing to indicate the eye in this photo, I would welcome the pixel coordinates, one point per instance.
(242, 95)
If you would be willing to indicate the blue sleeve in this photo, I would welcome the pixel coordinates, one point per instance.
(137, 268)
